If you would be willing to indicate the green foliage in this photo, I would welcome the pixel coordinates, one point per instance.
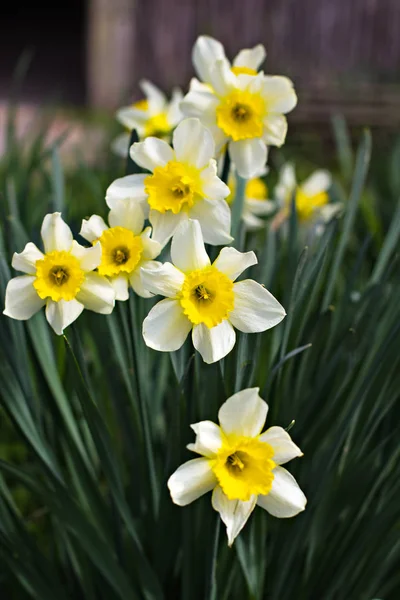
(95, 423)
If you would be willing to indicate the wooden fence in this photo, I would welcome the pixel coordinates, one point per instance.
(342, 54)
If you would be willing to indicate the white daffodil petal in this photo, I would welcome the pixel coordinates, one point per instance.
(215, 221)
(164, 225)
(56, 234)
(62, 313)
(97, 294)
(22, 300)
(252, 58)
(193, 143)
(234, 513)
(275, 130)
(255, 309)
(215, 343)
(212, 186)
(163, 279)
(187, 247)
(260, 207)
(89, 258)
(166, 327)
(25, 261)
(208, 438)
(279, 93)
(252, 222)
(196, 86)
(319, 181)
(128, 214)
(151, 153)
(281, 442)
(206, 51)
(151, 248)
(155, 97)
(121, 287)
(285, 498)
(174, 114)
(120, 145)
(136, 283)
(244, 413)
(248, 156)
(131, 118)
(232, 262)
(222, 78)
(130, 187)
(200, 103)
(92, 228)
(191, 480)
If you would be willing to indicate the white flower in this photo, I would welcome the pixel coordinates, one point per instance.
(183, 184)
(311, 196)
(245, 111)
(154, 115)
(202, 297)
(61, 279)
(240, 464)
(126, 247)
(207, 51)
(256, 201)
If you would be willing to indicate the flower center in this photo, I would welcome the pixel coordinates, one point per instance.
(243, 467)
(157, 126)
(174, 187)
(141, 104)
(207, 296)
(240, 115)
(255, 189)
(306, 205)
(58, 276)
(121, 252)
(121, 255)
(243, 71)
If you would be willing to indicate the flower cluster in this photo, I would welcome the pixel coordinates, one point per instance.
(180, 199)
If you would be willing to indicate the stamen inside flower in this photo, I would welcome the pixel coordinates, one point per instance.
(243, 467)
(174, 187)
(240, 115)
(121, 251)
(207, 296)
(58, 276)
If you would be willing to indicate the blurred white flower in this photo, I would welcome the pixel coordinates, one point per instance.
(203, 298)
(256, 202)
(155, 115)
(311, 196)
(244, 111)
(126, 247)
(183, 184)
(61, 279)
(240, 464)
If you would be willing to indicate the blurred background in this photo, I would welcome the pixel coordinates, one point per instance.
(344, 56)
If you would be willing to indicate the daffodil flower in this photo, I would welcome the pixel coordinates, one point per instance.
(126, 247)
(154, 116)
(207, 51)
(61, 279)
(256, 201)
(244, 111)
(183, 184)
(311, 196)
(204, 298)
(240, 464)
